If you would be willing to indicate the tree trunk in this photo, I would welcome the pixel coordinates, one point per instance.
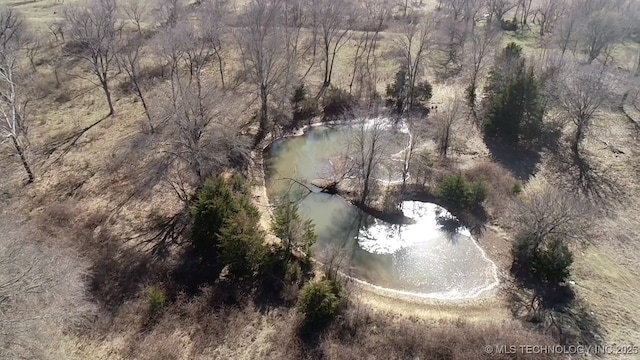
(25, 164)
(583, 166)
(264, 115)
(220, 68)
(107, 93)
(144, 105)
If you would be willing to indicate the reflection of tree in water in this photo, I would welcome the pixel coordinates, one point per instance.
(449, 225)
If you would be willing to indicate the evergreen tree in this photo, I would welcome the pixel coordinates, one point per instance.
(402, 95)
(241, 244)
(216, 203)
(397, 92)
(292, 229)
(514, 106)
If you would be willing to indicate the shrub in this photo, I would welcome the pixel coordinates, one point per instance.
(478, 193)
(509, 25)
(294, 231)
(299, 95)
(304, 108)
(546, 260)
(422, 92)
(319, 303)
(336, 102)
(499, 185)
(516, 188)
(308, 109)
(217, 203)
(157, 299)
(462, 194)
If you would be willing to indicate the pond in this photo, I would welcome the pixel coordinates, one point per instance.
(434, 257)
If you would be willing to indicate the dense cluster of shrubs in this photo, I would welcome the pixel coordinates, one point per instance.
(336, 102)
(461, 194)
(226, 233)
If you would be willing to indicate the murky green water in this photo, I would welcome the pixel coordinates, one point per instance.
(419, 258)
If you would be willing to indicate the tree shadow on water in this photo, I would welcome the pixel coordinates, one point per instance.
(451, 226)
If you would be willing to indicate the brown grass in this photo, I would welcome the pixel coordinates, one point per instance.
(99, 194)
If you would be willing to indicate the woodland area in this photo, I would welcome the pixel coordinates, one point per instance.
(134, 219)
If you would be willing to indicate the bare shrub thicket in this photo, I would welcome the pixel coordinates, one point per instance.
(361, 332)
(551, 212)
(42, 294)
(500, 184)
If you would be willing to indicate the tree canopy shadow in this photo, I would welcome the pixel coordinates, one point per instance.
(592, 182)
(520, 160)
(553, 309)
(118, 274)
(71, 138)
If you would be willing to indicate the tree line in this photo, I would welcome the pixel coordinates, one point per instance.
(274, 47)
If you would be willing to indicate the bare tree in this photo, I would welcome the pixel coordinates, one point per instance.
(32, 45)
(414, 43)
(169, 12)
(205, 138)
(481, 43)
(128, 59)
(372, 16)
(499, 8)
(581, 98)
(136, 11)
(566, 32)
(446, 118)
(333, 19)
(547, 14)
(13, 125)
(212, 28)
(456, 8)
(551, 213)
(263, 51)
(56, 29)
(198, 51)
(523, 9)
(96, 31)
(603, 29)
(453, 36)
(415, 134)
(369, 144)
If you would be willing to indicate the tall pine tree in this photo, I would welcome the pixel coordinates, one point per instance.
(513, 102)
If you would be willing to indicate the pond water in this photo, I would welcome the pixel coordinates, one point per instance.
(433, 258)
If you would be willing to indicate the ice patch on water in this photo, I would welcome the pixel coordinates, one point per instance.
(383, 238)
(436, 253)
